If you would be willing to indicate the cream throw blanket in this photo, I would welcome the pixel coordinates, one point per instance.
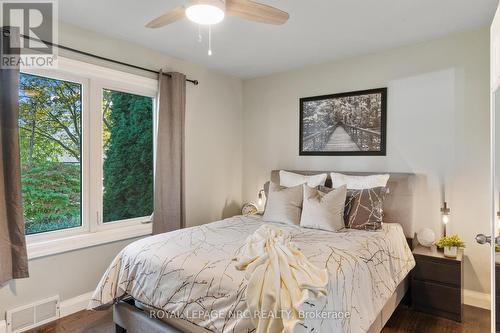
(281, 280)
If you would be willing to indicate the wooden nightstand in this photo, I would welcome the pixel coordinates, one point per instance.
(436, 286)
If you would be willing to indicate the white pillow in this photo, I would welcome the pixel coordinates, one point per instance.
(284, 204)
(290, 179)
(324, 211)
(358, 182)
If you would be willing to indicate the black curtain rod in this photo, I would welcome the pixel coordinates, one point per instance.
(195, 82)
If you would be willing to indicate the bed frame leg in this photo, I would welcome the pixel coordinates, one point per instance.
(119, 329)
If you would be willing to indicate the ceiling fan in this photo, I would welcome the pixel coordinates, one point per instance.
(210, 12)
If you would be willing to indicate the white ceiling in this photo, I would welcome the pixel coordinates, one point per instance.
(318, 30)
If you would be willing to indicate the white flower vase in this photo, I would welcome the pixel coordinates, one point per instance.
(451, 251)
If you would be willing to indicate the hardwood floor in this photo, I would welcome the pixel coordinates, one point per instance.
(404, 320)
(81, 322)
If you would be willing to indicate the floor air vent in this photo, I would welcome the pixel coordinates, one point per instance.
(29, 316)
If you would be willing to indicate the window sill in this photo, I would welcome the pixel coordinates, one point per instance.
(50, 247)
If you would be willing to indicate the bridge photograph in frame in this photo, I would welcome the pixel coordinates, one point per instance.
(351, 124)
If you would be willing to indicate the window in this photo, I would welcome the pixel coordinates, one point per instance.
(87, 138)
(127, 138)
(50, 138)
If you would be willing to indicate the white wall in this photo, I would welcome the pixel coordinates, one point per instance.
(213, 165)
(438, 128)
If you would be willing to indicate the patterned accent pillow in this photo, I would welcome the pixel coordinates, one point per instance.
(366, 210)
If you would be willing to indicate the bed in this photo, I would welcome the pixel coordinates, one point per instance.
(185, 281)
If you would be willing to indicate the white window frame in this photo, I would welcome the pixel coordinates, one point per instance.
(93, 231)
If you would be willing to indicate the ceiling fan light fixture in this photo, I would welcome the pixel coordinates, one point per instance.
(206, 12)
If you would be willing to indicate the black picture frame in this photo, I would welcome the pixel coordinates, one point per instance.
(367, 132)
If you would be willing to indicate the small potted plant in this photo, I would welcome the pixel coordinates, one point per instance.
(450, 244)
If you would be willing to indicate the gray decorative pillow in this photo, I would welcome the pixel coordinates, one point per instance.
(324, 211)
(347, 205)
(284, 205)
(366, 208)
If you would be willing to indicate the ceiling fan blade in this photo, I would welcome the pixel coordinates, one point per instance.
(169, 17)
(254, 11)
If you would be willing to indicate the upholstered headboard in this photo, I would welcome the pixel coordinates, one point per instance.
(398, 205)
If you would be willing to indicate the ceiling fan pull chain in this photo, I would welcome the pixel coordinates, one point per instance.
(210, 40)
(200, 38)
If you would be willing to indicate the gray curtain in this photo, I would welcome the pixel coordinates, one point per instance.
(13, 258)
(169, 169)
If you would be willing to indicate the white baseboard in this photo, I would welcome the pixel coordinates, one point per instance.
(477, 299)
(3, 326)
(74, 304)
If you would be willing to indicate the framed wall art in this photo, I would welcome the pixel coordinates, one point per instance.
(352, 123)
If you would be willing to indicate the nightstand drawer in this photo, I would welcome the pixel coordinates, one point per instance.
(438, 299)
(437, 271)
(437, 283)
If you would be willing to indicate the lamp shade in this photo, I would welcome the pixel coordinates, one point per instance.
(206, 12)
